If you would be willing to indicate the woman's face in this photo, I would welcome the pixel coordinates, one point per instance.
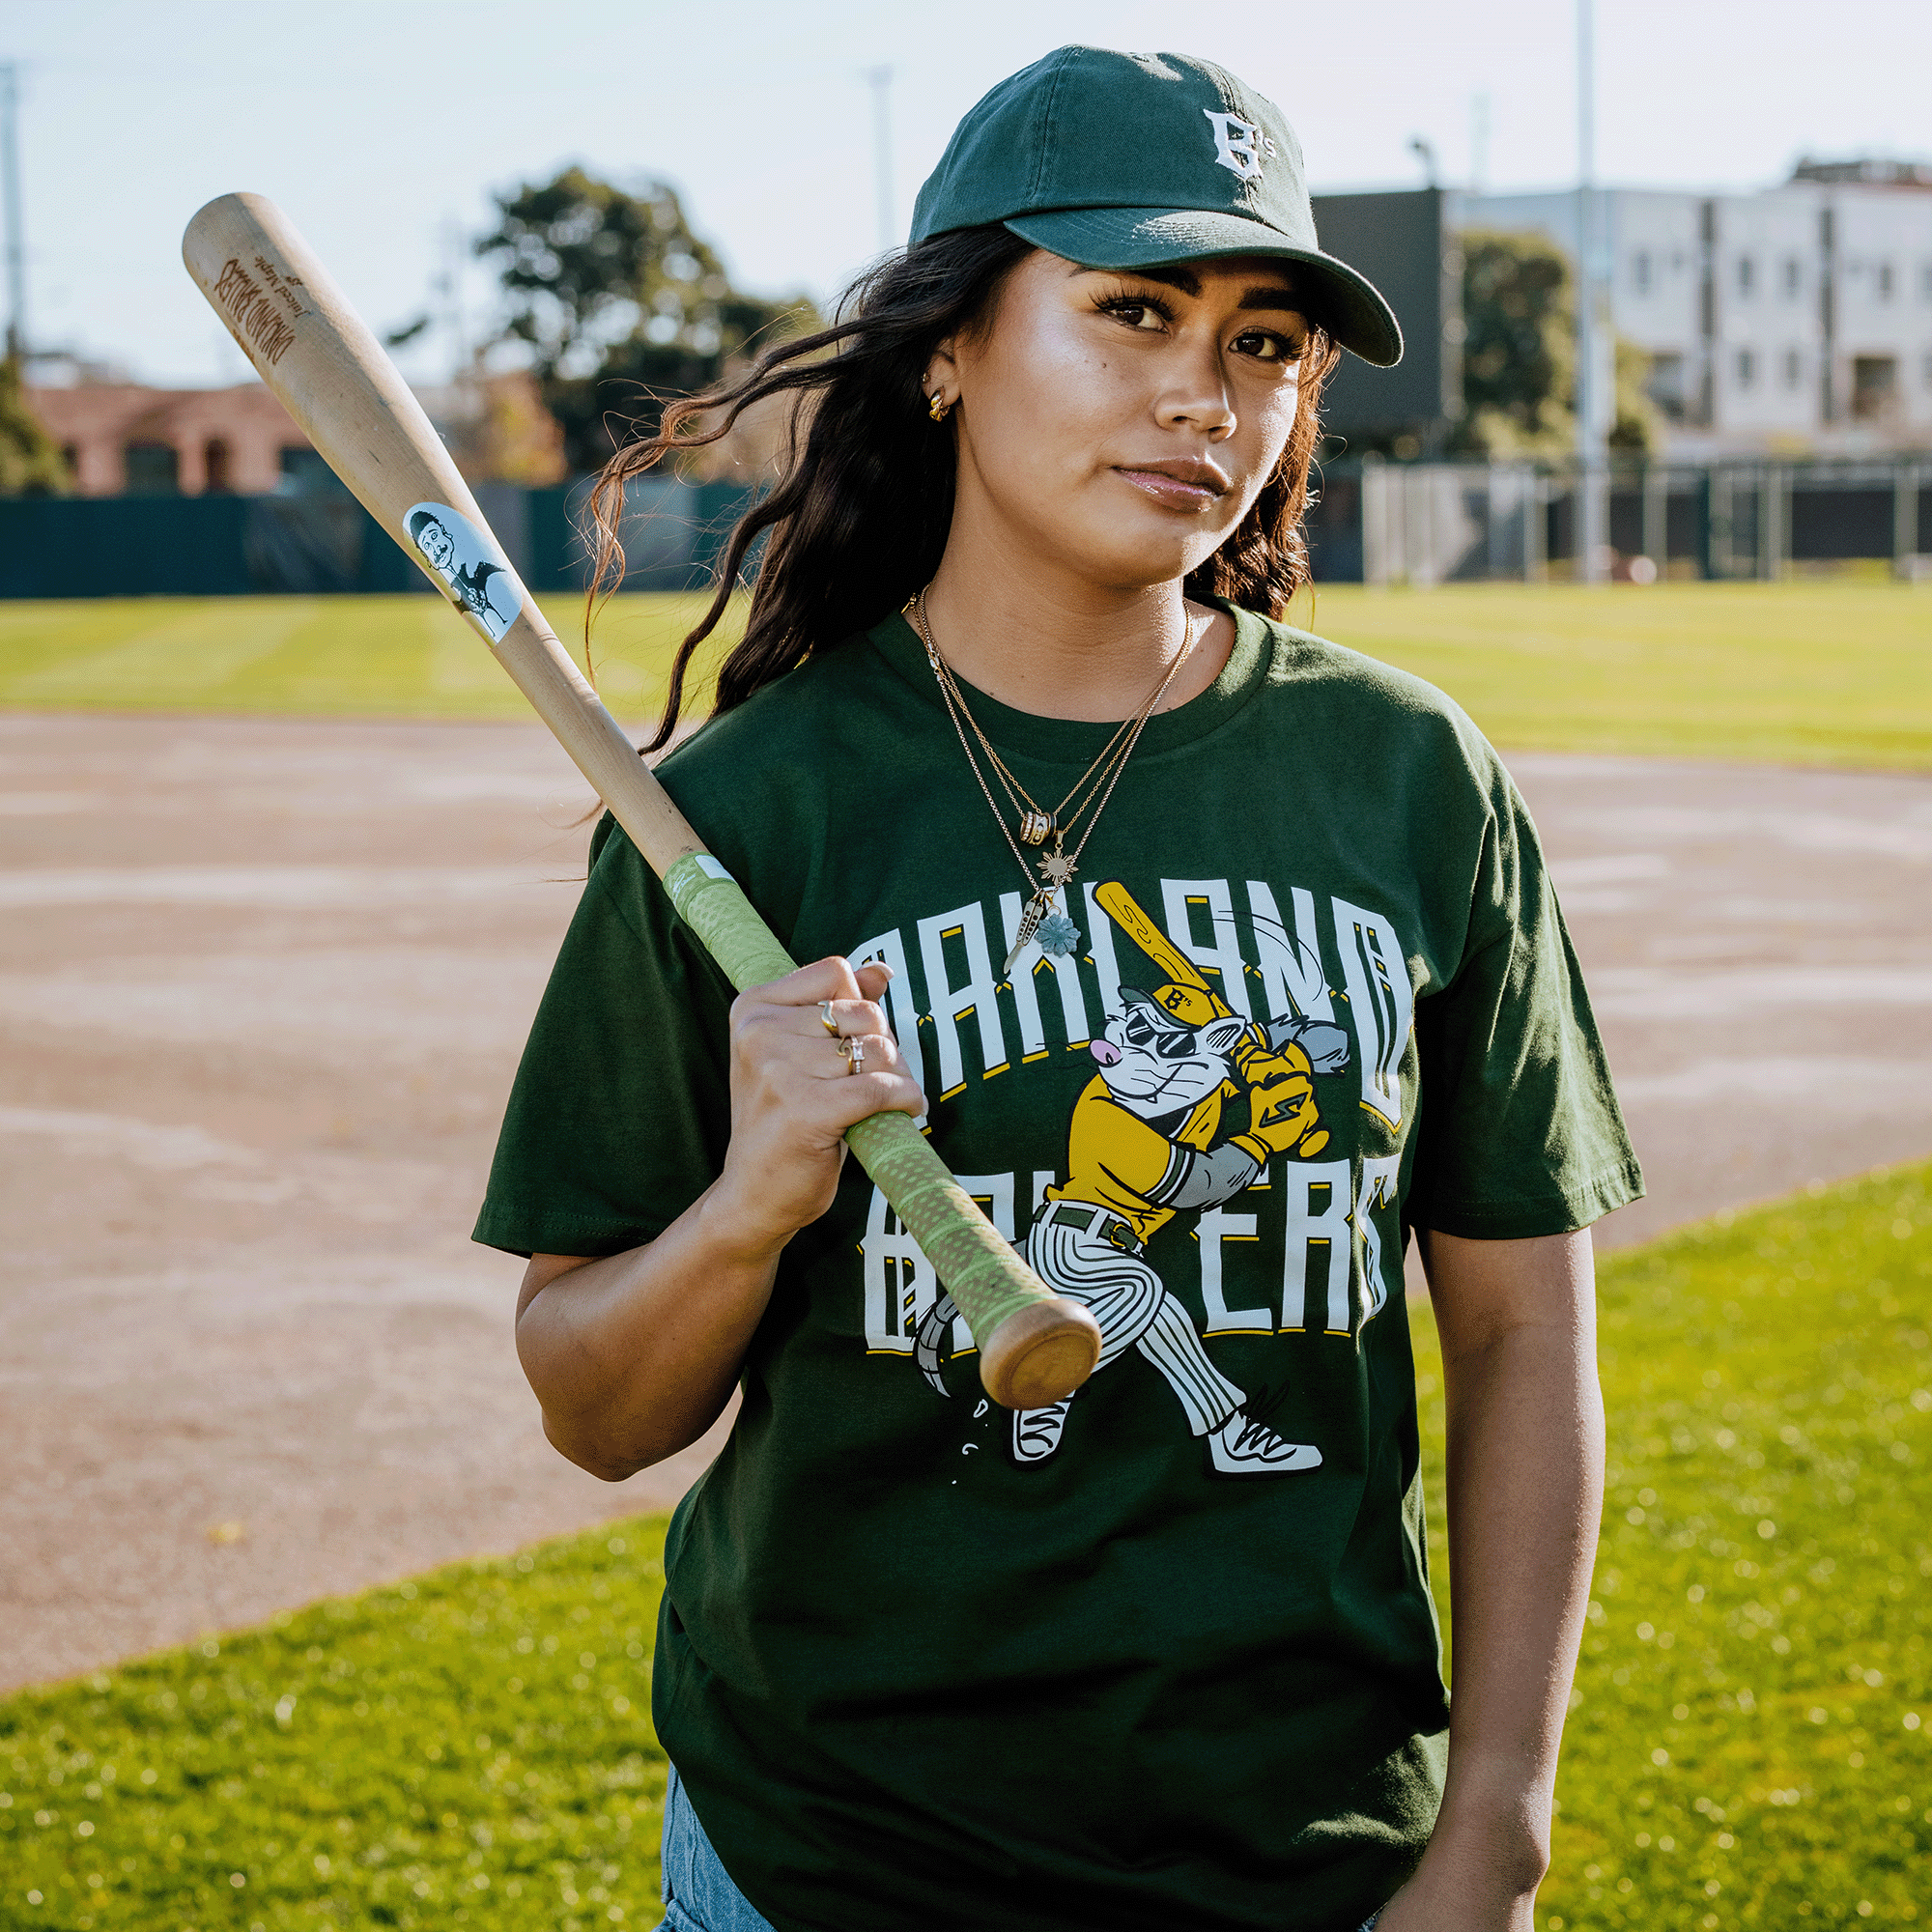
(1125, 421)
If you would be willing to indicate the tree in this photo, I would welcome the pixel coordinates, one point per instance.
(623, 305)
(1638, 425)
(31, 464)
(1518, 347)
(509, 436)
(1520, 356)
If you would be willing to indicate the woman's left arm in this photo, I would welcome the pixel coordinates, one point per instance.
(1525, 1492)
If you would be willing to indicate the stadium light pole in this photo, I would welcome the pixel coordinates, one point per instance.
(1593, 505)
(9, 191)
(881, 78)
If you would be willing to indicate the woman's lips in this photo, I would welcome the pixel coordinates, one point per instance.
(1173, 492)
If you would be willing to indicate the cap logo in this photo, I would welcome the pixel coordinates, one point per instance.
(1239, 145)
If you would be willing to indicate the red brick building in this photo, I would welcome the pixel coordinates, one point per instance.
(122, 439)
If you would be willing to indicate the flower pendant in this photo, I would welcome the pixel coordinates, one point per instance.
(1056, 932)
(1058, 935)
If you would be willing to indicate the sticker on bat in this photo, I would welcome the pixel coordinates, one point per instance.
(480, 581)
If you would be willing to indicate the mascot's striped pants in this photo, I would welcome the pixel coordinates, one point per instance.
(1093, 1257)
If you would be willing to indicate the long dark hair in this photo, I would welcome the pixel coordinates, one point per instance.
(860, 515)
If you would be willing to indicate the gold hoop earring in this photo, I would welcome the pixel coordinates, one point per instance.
(936, 406)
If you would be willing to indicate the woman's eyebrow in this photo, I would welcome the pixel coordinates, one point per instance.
(1175, 277)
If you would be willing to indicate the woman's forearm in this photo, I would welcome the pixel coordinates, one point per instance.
(1525, 1474)
(634, 1356)
(1525, 1439)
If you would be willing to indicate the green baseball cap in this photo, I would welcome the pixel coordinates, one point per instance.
(1120, 161)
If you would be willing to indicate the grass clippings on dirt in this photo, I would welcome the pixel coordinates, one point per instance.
(1747, 1747)
(1820, 673)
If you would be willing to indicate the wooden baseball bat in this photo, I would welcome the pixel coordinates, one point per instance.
(1124, 910)
(334, 377)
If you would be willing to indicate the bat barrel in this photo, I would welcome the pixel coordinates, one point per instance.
(311, 348)
(314, 352)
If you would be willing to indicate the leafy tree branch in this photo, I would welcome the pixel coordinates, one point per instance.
(622, 303)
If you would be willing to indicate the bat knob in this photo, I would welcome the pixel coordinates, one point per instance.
(1039, 1353)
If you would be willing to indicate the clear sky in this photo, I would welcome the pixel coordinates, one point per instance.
(382, 125)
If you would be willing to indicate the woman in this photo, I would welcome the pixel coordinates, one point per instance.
(1215, 960)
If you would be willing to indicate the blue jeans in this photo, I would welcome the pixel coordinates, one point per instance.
(698, 1895)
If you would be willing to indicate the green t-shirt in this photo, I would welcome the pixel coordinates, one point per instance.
(1165, 1657)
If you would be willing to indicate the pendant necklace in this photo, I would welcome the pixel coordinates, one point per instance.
(1092, 789)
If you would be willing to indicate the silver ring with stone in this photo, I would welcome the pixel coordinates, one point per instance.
(854, 1051)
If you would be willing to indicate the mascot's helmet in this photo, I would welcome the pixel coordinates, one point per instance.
(1191, 1005)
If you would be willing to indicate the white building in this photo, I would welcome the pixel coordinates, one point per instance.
(1793, 321)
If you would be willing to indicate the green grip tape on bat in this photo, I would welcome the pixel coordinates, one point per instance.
(1034, 1346)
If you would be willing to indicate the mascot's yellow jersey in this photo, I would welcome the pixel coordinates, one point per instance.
(1116, 1159)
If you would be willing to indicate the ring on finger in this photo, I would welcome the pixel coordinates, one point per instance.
(854, 1051)
(830, 1024)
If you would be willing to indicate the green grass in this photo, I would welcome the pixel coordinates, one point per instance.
(371, 657)
(1815, 673)
(1831, 673)
(1750, 1746)
(470, 1748)
(1751, 1739)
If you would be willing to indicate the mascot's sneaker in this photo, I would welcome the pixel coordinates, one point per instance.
(1241, 1447)
(1036, 1432)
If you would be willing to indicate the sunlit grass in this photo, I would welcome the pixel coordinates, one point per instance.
(1749, 1743)
(1751, 1739)
(377, 657)
(1829, 673)
(473, 1747)
(1820, 673)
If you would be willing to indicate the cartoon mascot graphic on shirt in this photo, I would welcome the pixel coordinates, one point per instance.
(1147, 1142)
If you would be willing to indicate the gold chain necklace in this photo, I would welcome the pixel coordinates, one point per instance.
(1036, 822)
(1057, 932)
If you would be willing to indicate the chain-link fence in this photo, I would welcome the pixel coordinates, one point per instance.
(322, 542)
(1424, 523)
(1369, 522)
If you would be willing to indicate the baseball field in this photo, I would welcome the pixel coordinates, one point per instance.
(1832, 673)
(1748, 1740)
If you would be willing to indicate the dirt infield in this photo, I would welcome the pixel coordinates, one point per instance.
(262, 988)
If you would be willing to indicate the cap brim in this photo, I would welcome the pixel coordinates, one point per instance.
(1347, 304)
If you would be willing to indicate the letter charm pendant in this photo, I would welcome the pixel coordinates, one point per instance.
(1035, 909)
(1057, 933)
